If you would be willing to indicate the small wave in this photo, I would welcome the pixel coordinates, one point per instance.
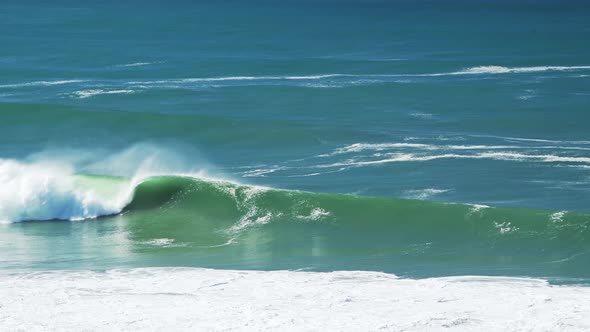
(510, 70)
(239, 78)
(478, 207)
(543, 158)
(506, 156)
(139, 64)
(386, 59)
(369, 78)
(326, 80)
(40, 83)
(95, 92)
(423, 194)
(261, 172)
(339, 80)
(527, 139)
(306, 175)
(359, 147)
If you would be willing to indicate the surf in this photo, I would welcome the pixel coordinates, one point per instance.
(191, 219)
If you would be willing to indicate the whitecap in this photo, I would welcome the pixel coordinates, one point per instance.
(139, 64)
(40, 83)
(315, 214)
(51, 190)
(95, 92)
(557, 216)
(423, 194)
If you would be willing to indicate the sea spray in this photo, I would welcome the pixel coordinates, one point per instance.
(46, 190)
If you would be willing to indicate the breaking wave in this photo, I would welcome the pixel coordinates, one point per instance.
(46, 191)
(196, 214)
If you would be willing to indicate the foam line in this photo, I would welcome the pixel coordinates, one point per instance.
(508, 156)
(40, 83)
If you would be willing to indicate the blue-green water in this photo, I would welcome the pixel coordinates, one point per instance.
(370, 116)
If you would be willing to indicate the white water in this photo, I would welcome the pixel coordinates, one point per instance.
(359, 147)
(468, 71)
(40, 83)
(95, 92)
(51, 190)
(508, 70)
(408, 157)
(319, 80)
(191, 299)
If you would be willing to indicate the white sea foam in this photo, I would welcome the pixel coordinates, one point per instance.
(527, 139)
(50, 190)
(478, 207)
(337, 80)
(261, 172)
(163, 242)
(557, 216)
(306, 175)
(509, 70)
(341, 83)
(505, 227)
(424, 193)
(315, 214)
(250, 219)
(358, 147)
(95, 92)
(543, 158)
(240, 78)
(189, 299)
(40, 83)
(136, 64)
(409, 157)
(139, 64)
(310, 77)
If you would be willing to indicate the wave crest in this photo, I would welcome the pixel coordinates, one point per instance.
(48, 191)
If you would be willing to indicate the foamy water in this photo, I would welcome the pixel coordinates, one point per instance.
(184, 299)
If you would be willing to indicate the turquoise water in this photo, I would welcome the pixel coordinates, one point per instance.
(380, 122)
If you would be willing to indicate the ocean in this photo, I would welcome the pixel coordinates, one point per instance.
(421, 139)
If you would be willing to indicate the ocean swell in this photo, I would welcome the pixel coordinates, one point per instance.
(194, 215)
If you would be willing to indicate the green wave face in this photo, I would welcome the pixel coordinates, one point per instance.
(181, 221)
